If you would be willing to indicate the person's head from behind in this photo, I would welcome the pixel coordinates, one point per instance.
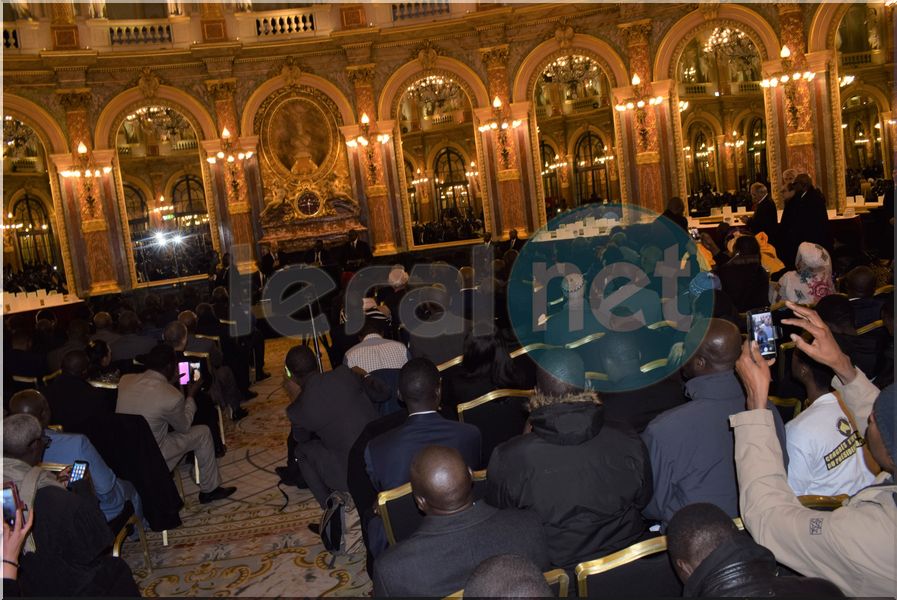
(512, 235)
(353, 236)
(75, 363)
(815, 377)
(716, 345)
(620, 355)
(746, 249)
(441, 482)
(31, 402)
(128, 322)
(788, 176)
(860, 282)
(102, 321)
(561, 373)
(837, 312)
(419, 385)
(23, 438)
(175, 335)
(758, 192)
(467, 277)
(507, 576)
(676, 206)
(161, 359)
(694, 532)
(300, 362)
(372, 326)
(46, 314)
(881, 435)
(189, 320)
(99, 355)
(219, 295)
(802, 183)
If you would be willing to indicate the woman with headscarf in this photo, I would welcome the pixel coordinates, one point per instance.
(810, 281)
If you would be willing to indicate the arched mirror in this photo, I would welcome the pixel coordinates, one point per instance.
(31, 250)
(436, 132)
(862, 129)
(574, 115)
(718, 80)
(164, 195)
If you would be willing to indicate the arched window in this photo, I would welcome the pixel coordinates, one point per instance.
(138, 213)
(452, 193)
(412, 193)
(860, 29)
(549, 176)
(704, 162)
(34, 236)
(590, 166)
(756, 151)
(189, 200)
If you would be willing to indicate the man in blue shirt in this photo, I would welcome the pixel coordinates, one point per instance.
(66, 448)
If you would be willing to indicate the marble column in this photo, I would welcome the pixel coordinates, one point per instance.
(381, 215)
(511, 197)
(649, 189)
(799, 139)
(87, 191)
(63, 27)
(235, 189)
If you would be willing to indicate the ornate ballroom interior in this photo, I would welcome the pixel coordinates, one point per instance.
(139, 135)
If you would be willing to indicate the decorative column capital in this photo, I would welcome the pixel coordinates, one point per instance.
(221, 89)
(636, 32)
(361, 75)
(495, 57)
(74, 99)
(148, 83)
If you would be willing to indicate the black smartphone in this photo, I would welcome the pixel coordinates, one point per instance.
(11, 501)
(761, 328)
(79, 471)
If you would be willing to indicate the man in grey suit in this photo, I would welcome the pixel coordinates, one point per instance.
(457, 533)
(153, 396)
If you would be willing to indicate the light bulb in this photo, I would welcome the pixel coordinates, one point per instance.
(636, 80)
(220, 154)
(786, 52)
(365, 119)
(82, 149)
(225, 134)
(107, 170)
(496, 103)
(211, 160)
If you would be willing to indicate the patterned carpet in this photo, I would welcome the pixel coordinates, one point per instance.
(255, 543)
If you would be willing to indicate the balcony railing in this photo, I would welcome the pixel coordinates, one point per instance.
(412, 10)
(140, 33)
(698, 89)
(10, 38)
(285, 24)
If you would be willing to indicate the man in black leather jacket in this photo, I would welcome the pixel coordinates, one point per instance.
(713, 558)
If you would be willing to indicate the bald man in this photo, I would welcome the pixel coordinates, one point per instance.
(74, 403)
(691, 446)
(765, 217)
(859, 284)
(457, 533)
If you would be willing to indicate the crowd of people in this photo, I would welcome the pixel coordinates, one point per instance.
(32, 278)
(596, 452)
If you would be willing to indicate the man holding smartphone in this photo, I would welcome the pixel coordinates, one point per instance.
(155, 396)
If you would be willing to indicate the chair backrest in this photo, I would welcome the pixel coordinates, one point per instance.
(452, 362)
(885, 289)
(557, 580)
(48, 378)
(789, 408)
(873, 326)
(214, 338)
(499, 415)
(643, 569)
(826, 503)
(399, 511)
(106, 385)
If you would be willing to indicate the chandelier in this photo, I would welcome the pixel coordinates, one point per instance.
(732, 44)
(169, 124)
(569, 70)
(433, 88)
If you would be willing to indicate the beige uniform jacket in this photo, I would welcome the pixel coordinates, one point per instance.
(855, 546)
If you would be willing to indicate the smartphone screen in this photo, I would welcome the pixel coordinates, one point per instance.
(196, 370)
(79, 470)
(9, 504)
(764, 332)
(184, 372)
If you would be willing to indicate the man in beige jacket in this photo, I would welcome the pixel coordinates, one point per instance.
(854, 546)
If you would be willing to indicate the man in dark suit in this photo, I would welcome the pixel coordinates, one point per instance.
(356, 252)
(859, 284)
(266, 264)
(74, 403)
(513, 243)
(456, 535)
(765, 218)
(328, 413)
(318, 255)
(804, 219)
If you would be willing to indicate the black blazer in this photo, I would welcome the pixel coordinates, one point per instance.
(766, 219)
(439, 557)
(388, 456)
(360, 254)
(325, 256)
(75, 404)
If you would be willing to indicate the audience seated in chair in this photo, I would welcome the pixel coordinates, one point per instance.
(77, 336)
(328, 412)
(131, 342)
(73, 401)
(69, 555)
(864, 350)
(456, 535)
(66, 448)
(743, 277)
(507, 576)
(104, 328)
(691, 445)
(154, 396)
(372, 352)
(99, 368)
(859, 285)
(388, 457)
(21, 359)
(826, 454)
(810, 281)
(587, 480)
(714, 559)
(852, 546)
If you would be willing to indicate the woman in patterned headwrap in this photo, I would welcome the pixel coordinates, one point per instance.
(810, 281)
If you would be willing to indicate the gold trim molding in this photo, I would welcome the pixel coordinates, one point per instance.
(94, 225)
(509, 175)
(647, 158)
(376, 190)
(799, 138)
(238, 208)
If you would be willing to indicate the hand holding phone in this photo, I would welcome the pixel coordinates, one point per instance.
(79, 472)
(762, 330)
(12, 505)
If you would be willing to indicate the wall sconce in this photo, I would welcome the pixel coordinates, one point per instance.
(788, 77)
(683, 105)
(87, 171)
(363, 140)
(846, 80)
(638, 103)
(231, 154)
(500, 124)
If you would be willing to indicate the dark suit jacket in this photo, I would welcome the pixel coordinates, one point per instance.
(804, 219)
(75, 404)
(766, 219)
(361, 252)
(638, 406)
(388, 456)
(439, 557)
(334, 409)
(511, 245)
(26, 363)
(325, 256)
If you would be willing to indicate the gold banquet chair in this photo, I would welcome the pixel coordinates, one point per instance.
(452, 362)
(208, 361)
(499, 415)
(789, 408)
(641, 570)
(400, 514)
(557, 580)
(826, 503)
